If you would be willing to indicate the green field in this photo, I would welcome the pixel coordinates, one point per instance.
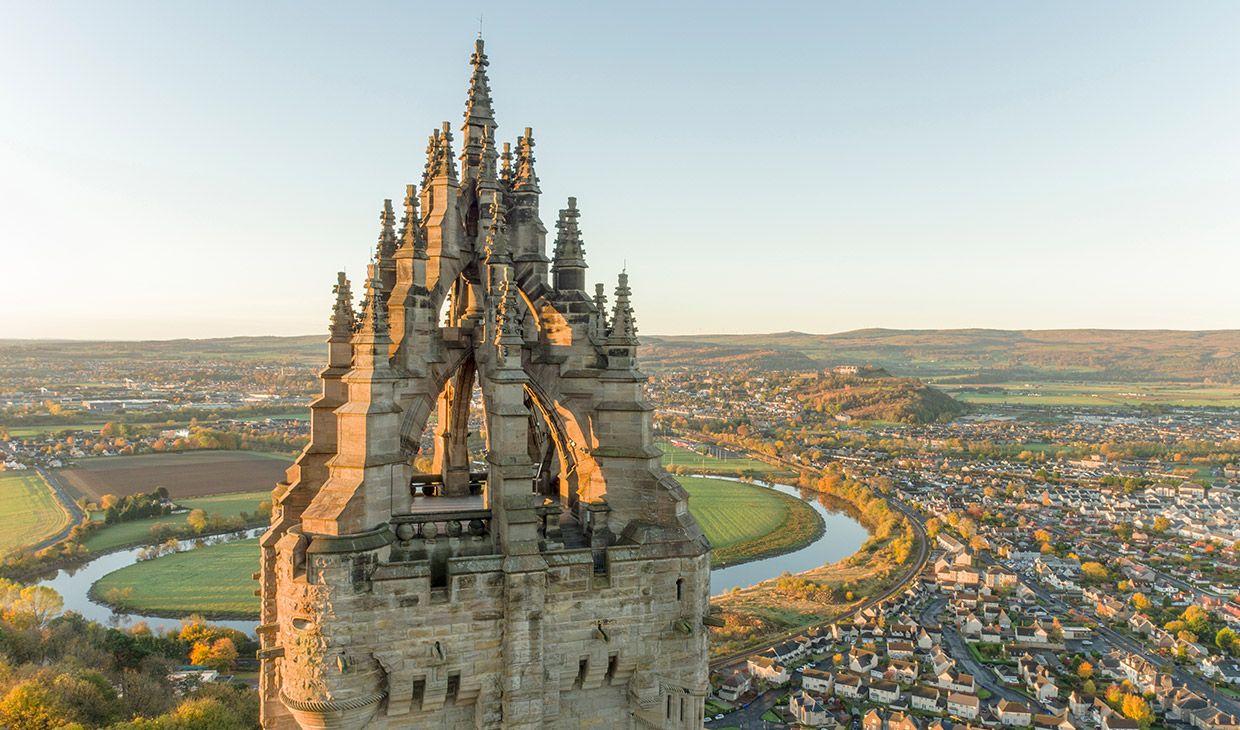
(1049, 393)
(28, 510)
(744, 521)
(214, 581)
(132, 533)
(674, 455)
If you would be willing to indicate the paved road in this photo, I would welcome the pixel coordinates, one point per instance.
(76, 514)
(750, 718)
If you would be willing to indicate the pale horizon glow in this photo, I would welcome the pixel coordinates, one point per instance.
(203, 170)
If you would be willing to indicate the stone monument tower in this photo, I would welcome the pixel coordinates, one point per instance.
(557, 582)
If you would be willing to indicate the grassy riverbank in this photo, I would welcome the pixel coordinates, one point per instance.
(212, 581)
(775, 607)
(746, 522)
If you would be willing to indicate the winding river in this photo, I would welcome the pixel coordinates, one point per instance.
(842, 537)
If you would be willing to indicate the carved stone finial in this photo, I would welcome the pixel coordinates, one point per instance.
(505, 170)
(343, 320)
(412, 237)
(374, 311)
(524, 179)
(386, 247)
(569, 249)
(623, 323)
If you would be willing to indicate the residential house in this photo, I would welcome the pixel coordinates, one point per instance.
(807, 709)
(1013, 713)
(816, 680)
(734, 686)
(766, 668)
(850, 686)
(884, 692)
(963, 706)
(860, 660)
(925, 699)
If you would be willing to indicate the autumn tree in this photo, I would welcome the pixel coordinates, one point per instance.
(1085, 671)
(1137, 709)
(198, 520)
(219, 655)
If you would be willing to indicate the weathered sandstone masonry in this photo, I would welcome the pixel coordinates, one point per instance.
(562, 584)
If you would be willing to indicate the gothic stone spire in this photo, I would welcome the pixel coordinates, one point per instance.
(479, 115)
(525, 180)
(342, 314)
(439, 160)
(623, 323)
(569, 262)
(412, 237)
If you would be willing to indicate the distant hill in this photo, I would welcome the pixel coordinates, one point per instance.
(875, 395)
(991, 356)
(960, 356)
(305, 349)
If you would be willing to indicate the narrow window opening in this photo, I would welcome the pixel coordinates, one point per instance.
(582, 668)
(454, 686)
(612, 661)
(419, 689)
(680, 589)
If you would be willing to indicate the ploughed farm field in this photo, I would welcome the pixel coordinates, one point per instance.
(184, 474)
(743, 521)
(28, 510)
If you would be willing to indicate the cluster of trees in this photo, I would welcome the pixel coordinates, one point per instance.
(890, 532)
(62, 672)
(135, 506)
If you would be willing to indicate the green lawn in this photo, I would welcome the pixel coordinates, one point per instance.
(214, 581)
(130, 533)
(28, 510)
(744, 521)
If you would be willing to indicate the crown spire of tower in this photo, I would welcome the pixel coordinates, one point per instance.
(478, 130)
(343, 319)
(623, 323)
(478, 110)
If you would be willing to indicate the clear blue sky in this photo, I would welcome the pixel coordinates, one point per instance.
(203, 169)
